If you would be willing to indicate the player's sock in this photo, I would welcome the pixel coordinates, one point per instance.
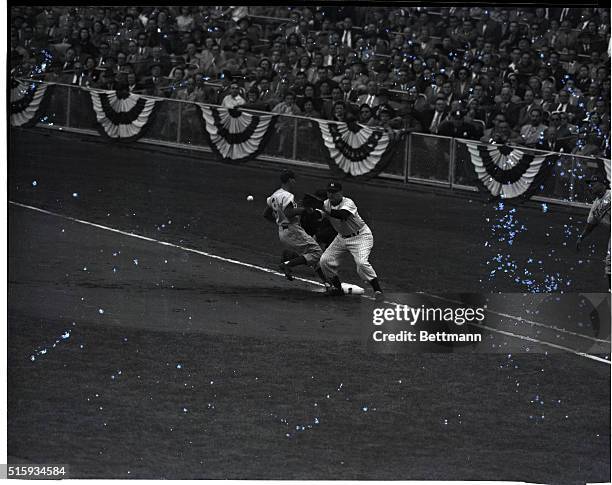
(321, 275)
(375, 284)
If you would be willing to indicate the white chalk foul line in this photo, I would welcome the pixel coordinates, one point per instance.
(530, 322)
(549, 344)
(270, 271)
(163, 243)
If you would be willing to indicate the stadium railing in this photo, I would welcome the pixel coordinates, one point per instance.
(419, 158)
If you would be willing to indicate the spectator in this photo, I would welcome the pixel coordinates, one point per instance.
(583, 79)
(533, 132)
(284, 124)
(507, 107)
(564, 138)
(309, 109)
(566, 127)
(565, 106)
(348, 93)
(550, 141)
(432, 119)
(476, 111)
(489, 133)
(434, 89)
(158, 58)
(489, 29)
(587, 144)
(529, 103)
(456, 127)
(366, 117)
(90, 73)
(233, 99)
(155, 84)
(591, 97)
(253, 101)
(340, 112)
(497, 60)
(132, 83)
(185, 21)
(502, 134)
(371, 97)
(390, 124)
(327, 105)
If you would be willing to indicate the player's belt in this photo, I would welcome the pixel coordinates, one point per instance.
(351, 235)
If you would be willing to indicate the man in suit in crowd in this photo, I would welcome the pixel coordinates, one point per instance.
(348, 34)
(507, 107)
(432, 119)
(529, 102)
(572, 15)
(488, 28)
(550, 141)
(158, 58)
(565, 106)
(371, 97)
(156, 84)
(455, 126)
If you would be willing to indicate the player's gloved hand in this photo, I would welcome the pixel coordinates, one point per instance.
(320, 214)
(308, 210)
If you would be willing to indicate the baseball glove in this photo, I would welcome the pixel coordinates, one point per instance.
(312, 201)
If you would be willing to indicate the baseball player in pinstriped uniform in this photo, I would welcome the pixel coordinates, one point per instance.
(354, 236)
(284, 211)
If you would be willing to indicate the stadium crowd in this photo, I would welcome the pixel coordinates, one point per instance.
(538, 77)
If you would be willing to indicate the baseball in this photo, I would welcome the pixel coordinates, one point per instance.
(250, 198)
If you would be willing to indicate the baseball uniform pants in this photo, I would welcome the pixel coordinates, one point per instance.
(359, 246)
(295, 238)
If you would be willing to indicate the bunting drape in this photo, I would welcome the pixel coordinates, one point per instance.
(25, 99)
(354, 149)
(122, 116)
(506, 172)
(234, 134)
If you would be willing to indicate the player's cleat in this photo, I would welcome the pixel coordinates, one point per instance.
(335, 291)
(287, 270)
(379, 296)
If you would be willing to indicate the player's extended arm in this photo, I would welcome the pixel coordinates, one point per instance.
(291, 211)
(269, 214)
(587, 230)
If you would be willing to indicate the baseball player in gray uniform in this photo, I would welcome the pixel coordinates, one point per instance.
(284, 211)
(599, 214)
(354, 236)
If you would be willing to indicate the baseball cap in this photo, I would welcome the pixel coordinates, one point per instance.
(286, 175)
(334, 186)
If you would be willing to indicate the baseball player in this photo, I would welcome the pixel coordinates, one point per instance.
(284, 211)
(599, 214)
(354, 236)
